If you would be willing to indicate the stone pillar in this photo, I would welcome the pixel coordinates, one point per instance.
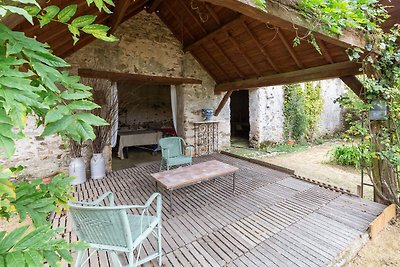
(266, 115)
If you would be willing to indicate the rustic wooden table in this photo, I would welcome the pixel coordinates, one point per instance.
(189, 175)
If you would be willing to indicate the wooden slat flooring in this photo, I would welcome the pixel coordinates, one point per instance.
(272, 219)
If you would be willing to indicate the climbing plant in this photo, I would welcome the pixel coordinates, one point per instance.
(295, 125)
(380, 61)
(31, 83)
(313, 107)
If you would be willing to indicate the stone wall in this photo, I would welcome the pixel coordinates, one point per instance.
(146, 106)
(41, 156)
(146, 46)
(267, 119)
(266, 115)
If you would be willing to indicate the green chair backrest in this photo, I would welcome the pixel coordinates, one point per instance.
(173, 145)
(103, 227)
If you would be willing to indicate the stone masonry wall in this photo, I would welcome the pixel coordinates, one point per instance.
(267, 119)
(42, 157)
(145, 46)
(266, 115)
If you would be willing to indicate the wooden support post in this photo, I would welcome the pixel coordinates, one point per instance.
(223, 102)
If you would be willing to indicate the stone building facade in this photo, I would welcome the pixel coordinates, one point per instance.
(267, 118)
(146, 46)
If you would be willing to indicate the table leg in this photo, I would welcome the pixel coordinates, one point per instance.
(170, 201)
(156, 186)
(234, 178)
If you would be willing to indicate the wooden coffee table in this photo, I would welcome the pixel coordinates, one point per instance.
(189, 175)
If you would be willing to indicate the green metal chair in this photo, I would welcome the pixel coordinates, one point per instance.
(172, 151)
(111, 228)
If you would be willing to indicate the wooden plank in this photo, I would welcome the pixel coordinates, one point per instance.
(222, 103)
(153, 6)
(304, 75)
(212, 34)
(382, 220)
(148, 79)
(281, 15)
(121, 6)
(289, 48)
(354, 83)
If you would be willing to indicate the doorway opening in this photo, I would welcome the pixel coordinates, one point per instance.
(240, 125)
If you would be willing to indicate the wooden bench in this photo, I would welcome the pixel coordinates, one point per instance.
(189, 175)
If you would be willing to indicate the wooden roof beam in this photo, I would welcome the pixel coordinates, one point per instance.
(222, 52)
(261, 48)
(329, 71)
(289, 48)
(216, 64)
(149, 79)
(242, 53)
(223, 103)
(325, 52)
(355, 85)
(212, 34)
(279, 15)
(120, 9)
(153, 6)
(193, 16)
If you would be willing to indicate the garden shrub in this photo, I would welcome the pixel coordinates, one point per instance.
(346, 155)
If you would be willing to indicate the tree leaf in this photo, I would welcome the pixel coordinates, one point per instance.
(33, 258)
(11, 239)
(19, 11)
(82, 105)
(15, 258)
(53, 115)
(32, 10)
(8, 145)
(82, 21)
(51, 257)
(91, 119)
(51, 12)
(67, 13)
(57, 126)
(95, 28)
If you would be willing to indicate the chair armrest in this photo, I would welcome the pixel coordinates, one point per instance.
(159, 203)
(108, 195)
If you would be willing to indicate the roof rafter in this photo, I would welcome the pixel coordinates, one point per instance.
(260, 47)
(153, 6)
(241, 52)
(212, 34)
(289, 49)
(328, 71)
(235, 67)
(120, 9)
(325, 52)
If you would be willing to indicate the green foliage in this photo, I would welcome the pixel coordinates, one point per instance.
(32, 84)
(355, 115)
(313, 106)
(31, 9)
(335, 16)
(346, 155)
(295, 117)
(22, 247)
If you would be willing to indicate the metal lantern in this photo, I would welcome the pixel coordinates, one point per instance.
(378, 111)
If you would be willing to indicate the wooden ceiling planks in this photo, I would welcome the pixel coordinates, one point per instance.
(231, 41)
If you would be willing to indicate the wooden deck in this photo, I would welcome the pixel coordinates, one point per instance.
(272, 219)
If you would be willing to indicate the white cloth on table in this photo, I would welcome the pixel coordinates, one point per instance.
(137, 138)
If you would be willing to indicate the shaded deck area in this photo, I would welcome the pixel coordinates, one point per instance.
(272, 219)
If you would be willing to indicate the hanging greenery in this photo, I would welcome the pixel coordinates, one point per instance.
(295, 125)
(380, 60)
(313, 106)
